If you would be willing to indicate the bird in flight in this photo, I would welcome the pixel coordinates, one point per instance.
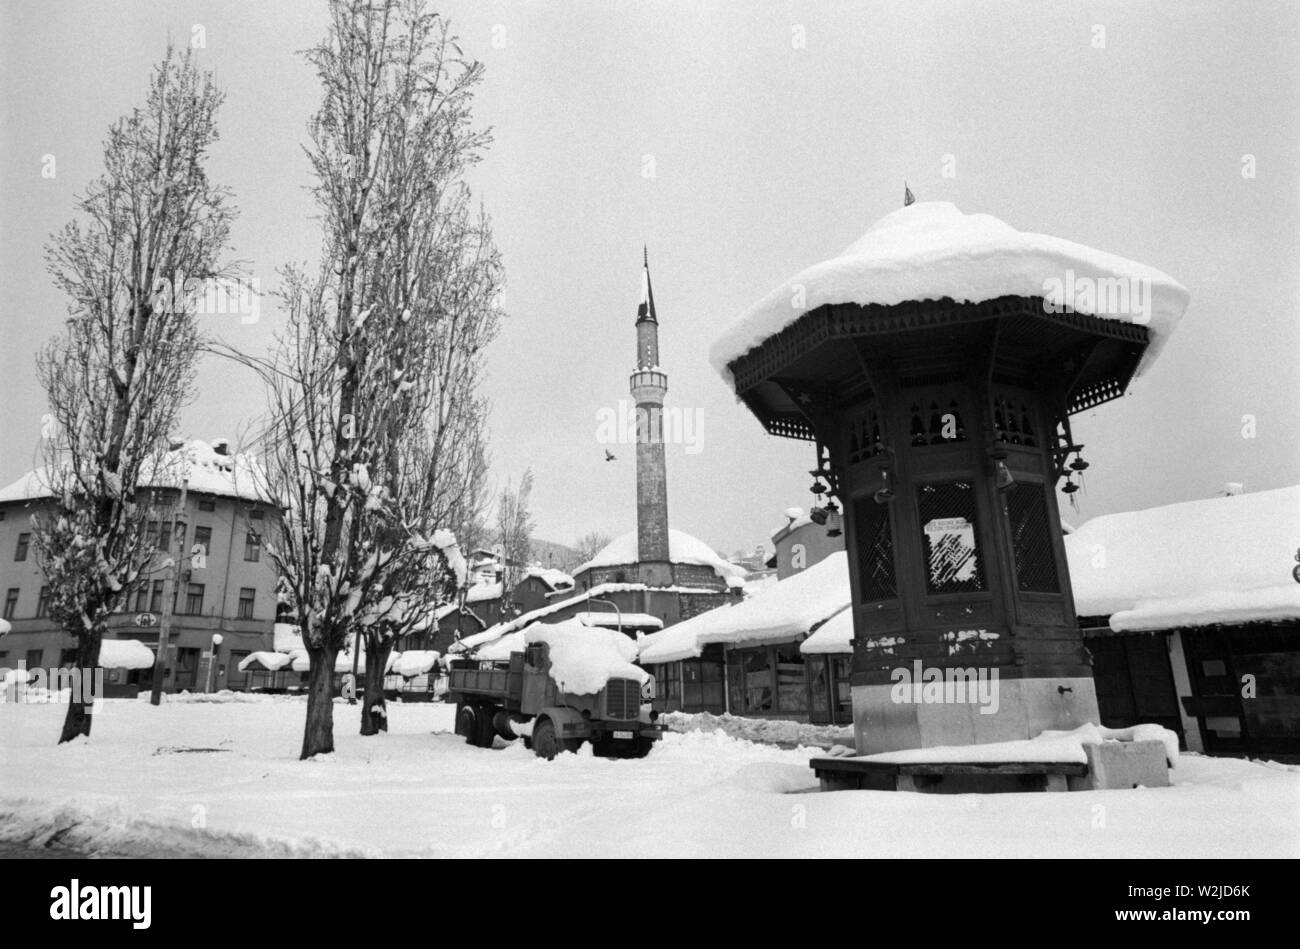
(609, 455)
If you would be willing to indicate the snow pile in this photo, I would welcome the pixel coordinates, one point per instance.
(682, 548)
(125, 654)
(1050, 746)
(614, 620)
(1219, 560)
(772, 731)
(782, 612)
(584, 658)
(415, 662)
(931, 251)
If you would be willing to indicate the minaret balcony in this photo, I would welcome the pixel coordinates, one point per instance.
(648, 385)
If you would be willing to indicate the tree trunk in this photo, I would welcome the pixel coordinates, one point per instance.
(318, 734)
(374, 710)
(77, 721)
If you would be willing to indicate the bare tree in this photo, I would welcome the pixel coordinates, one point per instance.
(376, 439)
(514, 534)
(151, 227)
(590, 544)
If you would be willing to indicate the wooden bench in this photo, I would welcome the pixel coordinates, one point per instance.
(849, 773)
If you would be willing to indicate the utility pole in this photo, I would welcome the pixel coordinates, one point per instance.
(169, 594)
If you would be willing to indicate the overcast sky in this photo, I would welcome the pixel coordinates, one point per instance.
(778, 134)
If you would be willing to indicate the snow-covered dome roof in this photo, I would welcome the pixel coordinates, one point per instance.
(930, 251)
(682, 548)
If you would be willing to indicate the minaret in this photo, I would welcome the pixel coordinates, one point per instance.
(648, 385)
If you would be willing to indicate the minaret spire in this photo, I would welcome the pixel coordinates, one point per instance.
(649, 385)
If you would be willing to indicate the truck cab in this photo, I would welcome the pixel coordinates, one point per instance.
(521, 699)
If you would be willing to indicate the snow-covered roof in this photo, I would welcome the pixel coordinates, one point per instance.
(208, 471)
(835, 636)
(493, 633)
(1219, 560)
(682, 548)
(414, 662)
(482, 592)
(783, 612)
(614, 620)
(267, 661)
(930, 250)
(555, 579)
(125, 654)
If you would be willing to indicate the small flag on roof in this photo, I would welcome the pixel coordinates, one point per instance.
(908, 197)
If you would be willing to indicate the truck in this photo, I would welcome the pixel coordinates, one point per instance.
(520, 699)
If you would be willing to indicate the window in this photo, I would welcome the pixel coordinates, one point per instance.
(207, 506)
(1031, 540)
(67, 658)
(155, 597)
(24, 541)
(875, 550)
(178, 537)
(947, 516)
(151, 534)
(194, 599)
(935, 421)
(246, 598)
(34, 657)
(43, 603)
(791, 695)
(1013, 421)
(758, 680)
(252, 546)
(203, 538)
(11, 602)
(256, 514)
(668, 684)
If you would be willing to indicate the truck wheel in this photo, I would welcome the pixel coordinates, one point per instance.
(547, 742)
(467, 722)
(486, 732)
(643, 746)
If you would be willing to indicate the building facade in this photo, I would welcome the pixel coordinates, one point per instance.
(224, 602)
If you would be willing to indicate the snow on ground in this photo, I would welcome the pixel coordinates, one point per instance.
(771, 730)
(214, 777)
